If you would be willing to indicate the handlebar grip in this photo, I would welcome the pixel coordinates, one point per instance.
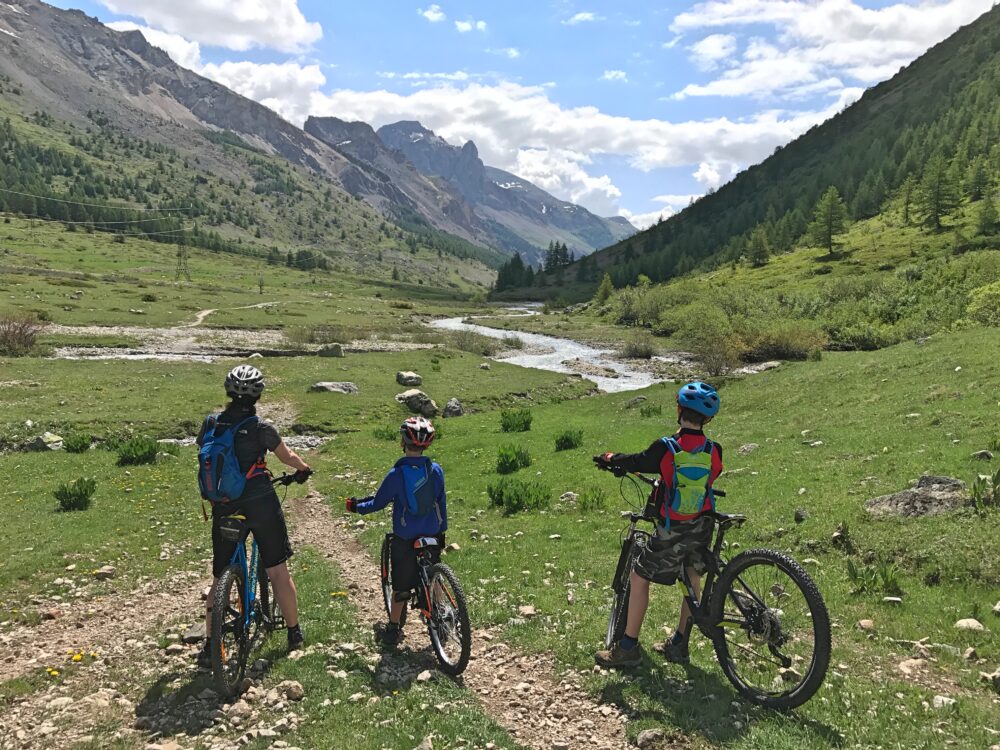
(718, 493)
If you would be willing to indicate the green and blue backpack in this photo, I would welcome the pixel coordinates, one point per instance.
(690, 486)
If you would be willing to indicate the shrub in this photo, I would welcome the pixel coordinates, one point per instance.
(138, 450)
(474, 343)
(386, 432)
(638, 347)
(592, 500)
(148, 297)
(76, 495)
(515, 420)
(568, 440)
(18, 334)
(514, 495)
(513, 342)
(78, 442)
(510, 458)
(400, 305)
(706, 331)
(651, 410)
(985, 305)
(786, 339)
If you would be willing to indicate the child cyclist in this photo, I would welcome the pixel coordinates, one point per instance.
(415, 487)
(688, 464)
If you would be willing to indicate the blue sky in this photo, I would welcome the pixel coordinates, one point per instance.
(627, 107)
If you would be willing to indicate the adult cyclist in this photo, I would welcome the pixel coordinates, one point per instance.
(259, 501)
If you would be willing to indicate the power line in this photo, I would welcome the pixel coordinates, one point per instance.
(93, 205)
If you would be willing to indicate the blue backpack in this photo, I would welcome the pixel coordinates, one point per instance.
(421, 497)
(220, 478)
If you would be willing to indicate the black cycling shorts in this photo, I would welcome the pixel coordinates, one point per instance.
(267, 522)
(404, 563)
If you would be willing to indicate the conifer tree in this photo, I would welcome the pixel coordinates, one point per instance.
(829, 219)
(986, 220)
(938, 194)
(758, 250)
(604, 290)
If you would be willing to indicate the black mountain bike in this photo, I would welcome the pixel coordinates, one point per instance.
(440, 602)
(761, 610)
(243, 614)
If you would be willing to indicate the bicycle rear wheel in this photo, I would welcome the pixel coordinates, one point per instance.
(773, 641)
(386, 578)
(451, 634)
(621, 587)
(230, 641)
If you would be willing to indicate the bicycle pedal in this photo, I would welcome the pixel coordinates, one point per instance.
(278, 623)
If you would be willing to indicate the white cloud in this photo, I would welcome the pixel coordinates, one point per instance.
(707, 53)
(287, 88)
(512, 53)
(821, 42)
(434, 14)
(579, 18)
(464, 27)
(673, 42)
(615, 75)
(519, 128)
(180, 50)
(234, 24)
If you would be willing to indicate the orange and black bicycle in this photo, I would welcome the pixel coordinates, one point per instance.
(439, 602)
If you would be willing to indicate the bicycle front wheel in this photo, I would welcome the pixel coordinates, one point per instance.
(385, 571)
(773, 641)
(621, 587)
(451, 634)
(230, 641)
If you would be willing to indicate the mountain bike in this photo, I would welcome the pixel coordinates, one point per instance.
(439, 601)
(761, 610)
(243, 613)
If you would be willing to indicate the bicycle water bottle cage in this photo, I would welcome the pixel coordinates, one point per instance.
(233, 528)
(425, 541)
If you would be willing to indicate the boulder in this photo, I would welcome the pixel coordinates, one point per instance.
(453, 408)
(969, 623)
(983, 455)
(47, 441)
(418, 402)
(649, 738)
(409, 378)
(330, 387)
(928, 496)
(331, 350)
(634, 402)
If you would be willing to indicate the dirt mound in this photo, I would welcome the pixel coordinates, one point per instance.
(928, 496)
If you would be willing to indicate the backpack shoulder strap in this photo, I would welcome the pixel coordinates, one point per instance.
(672, 444)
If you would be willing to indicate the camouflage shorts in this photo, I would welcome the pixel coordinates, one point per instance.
(682, 545)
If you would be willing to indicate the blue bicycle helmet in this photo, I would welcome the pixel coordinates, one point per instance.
(700, 397)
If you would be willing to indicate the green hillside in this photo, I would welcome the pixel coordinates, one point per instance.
(926, 138)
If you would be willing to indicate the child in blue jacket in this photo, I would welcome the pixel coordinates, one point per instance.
(415, 487)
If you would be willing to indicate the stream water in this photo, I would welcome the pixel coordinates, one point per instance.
(551, 353)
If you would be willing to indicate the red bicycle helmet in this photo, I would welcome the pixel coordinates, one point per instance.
(417, 432)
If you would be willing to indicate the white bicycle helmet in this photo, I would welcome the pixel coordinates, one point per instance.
(244, 380)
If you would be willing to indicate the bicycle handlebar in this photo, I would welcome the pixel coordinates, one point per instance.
(652, 483)
(287, 479)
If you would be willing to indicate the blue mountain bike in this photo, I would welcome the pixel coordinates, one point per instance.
(243, 613)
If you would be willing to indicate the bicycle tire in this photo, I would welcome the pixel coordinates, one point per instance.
(267, 608)
(228, 669)
(821, 631)
(461, 615)
(621, 587)
(385, 573)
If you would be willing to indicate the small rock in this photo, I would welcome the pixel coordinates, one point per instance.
(555, 536)
(484, 366)
(910, 666)
(744, 450)
(425, 744)
(240, 709)
(292, 690)
(800, 515)
(983, 455)
(61, 702)
(943, 701)
(569, 497)
(408, 378)
(356, 697)
(175, 648)
(867, 625)
(194, 634)
(649, 737)
(632, 403)
(969, 623)
(424, 676)
(331, 387)
(105, 573)
(256, 355)
(51, 614)
(453, 547)
(996, 609)
(970, 654)
(892, 600)
(47, 441)
(453, 408)
(418, 402)
(993, 679)
(810, 561)
(331, 350)
(526, 611)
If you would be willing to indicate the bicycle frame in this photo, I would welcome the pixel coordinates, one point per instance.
(249, 575)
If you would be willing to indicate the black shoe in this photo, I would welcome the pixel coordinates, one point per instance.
(295, 638)
(620, 658)
(204, 658)
(388, 635)
(675, 652)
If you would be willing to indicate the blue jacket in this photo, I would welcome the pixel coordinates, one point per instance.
(392, 490)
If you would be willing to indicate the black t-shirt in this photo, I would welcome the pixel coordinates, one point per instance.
(252, 441)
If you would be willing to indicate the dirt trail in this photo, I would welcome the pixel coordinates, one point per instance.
(96, 623)
(521, 692)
